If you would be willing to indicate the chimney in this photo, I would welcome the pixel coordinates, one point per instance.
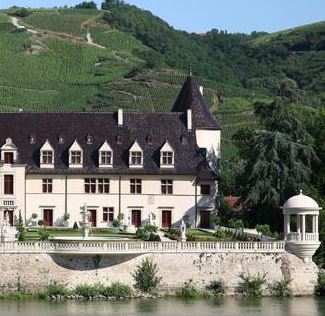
(189, 120)
(120, 117)
(201, 89)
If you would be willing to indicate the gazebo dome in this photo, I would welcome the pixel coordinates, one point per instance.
(301, 201)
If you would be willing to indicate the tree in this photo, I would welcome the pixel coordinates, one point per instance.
(277, 163)
(86, 5)
(21, 228)
(107, 4)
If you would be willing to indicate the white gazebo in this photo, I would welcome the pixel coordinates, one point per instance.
(304, 241)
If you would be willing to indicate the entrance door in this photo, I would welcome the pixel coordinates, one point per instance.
(166, 219)
(93, 218)
(136, 218)
(48, 217)
(205, 219)
(10, 216)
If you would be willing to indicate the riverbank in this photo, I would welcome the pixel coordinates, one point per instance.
(35, 272)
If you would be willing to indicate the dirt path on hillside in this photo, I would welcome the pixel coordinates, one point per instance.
(21, 27)
(90, 40)
(74, 39)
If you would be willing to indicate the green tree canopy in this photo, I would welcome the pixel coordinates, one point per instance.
(277, 162)
(86, 5)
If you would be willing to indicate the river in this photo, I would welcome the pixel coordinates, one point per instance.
(228, 306)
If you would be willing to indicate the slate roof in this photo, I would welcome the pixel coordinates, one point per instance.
(189, 159)
(190, 97)
(159, 127)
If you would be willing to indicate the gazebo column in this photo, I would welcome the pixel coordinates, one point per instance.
(286, 225)
(299, 227)
(303, 227)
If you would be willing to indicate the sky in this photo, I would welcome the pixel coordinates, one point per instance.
(203, 15)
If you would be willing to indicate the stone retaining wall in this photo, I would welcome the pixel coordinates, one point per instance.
(33, 272)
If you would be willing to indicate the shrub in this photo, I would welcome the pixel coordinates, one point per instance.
(264, 229)
(146, 276)
(41, 222)
(281, 289)
(75, 225)
(118, 290)
(21, 12)
(90, 291)
(251, 285)
(117, 222)
(147, 232)
(217, 287)
(44, 234)
(238, 223)
(34, 216)
(21, 228)
(320, 287)
(189, 291)
(57, 289)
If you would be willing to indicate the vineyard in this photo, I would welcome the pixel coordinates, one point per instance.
(66, 21)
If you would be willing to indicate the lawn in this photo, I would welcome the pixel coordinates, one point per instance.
(32, 233)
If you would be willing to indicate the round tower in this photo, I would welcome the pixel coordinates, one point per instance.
(301, 225)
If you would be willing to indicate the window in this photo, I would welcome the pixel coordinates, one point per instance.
(108, 214)
(9, 184)
(90, 185)
(136, 158)
(135, 186)
(167, 186)
(9, 157)
(167, 158)
(75, 157)
(47, 157)
(106, 158)
(47, 185)
(205, 189)
(103, 185)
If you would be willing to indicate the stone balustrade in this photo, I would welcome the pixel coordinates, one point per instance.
(139, 247)
(297, 237)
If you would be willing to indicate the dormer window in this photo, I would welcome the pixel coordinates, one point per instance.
(9, 157)
(47, 155)
(167, 156)
(75, 155)
(105, 155)
(8, 152)
(135, 156)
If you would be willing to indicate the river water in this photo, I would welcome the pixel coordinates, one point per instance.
(228, 306)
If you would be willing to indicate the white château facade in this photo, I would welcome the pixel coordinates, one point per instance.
(146, 166)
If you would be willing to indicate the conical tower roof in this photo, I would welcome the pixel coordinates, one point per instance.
(190, 98)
